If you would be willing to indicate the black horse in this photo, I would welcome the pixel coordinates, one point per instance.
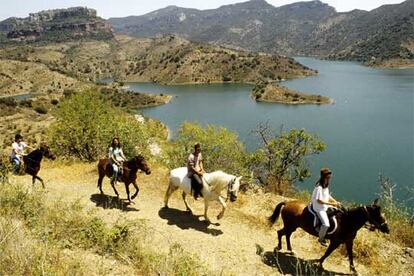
(33, 159)
(295, 215)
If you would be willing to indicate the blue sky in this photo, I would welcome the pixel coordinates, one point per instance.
(120, 8)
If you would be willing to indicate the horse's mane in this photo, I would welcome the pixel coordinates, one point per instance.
(134, 159)
(213, 176)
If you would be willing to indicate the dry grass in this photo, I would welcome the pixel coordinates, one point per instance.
(37, 237)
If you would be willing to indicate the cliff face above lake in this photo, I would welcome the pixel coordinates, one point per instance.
(55, 26)
(303, 28)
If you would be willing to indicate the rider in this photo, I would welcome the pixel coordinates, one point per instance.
(321, 200)
(196, 170)
(116, 158)
(17, 153)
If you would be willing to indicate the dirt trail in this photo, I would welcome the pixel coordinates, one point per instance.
(239, 244)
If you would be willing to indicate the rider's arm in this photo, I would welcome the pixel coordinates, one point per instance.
(121, 153)
(333, 201)
(327, 202)
(111, 156)
(320, 201)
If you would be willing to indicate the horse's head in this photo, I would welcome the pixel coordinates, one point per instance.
(233, 188)
(45, 149)
(142, 164)
(376, 218)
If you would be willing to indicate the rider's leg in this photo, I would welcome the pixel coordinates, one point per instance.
(16, 165)
(324, 227)
(198, 187)
(115, 173)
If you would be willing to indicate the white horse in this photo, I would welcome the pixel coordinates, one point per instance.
(213, 184)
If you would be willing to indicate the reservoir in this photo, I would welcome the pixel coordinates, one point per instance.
(368, 131)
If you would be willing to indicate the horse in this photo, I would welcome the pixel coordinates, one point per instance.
(296, 214)
(213, 184)
(128, 176)
(33, 159)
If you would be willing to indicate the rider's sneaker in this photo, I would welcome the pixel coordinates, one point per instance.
(323, 242)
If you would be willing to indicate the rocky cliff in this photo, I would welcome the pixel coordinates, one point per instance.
(56, 25)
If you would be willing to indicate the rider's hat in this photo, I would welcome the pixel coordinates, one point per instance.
(325, 172)
(18, 136)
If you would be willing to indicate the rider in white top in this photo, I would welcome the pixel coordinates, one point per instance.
(116, 158)
(321, 200)
(17, 153)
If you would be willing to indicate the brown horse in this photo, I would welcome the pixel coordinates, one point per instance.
(296, 214)
(33, 159)
(129, 173)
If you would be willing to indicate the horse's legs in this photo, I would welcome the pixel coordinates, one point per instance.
(127, 191)
(41, 180)
(349, 245)
(288, 234)
(186, 203)
(280, 234)
(136, 189)
(113, 187)
(205, 211)
(332, 246)
(171, 189)
(101, 177)
(221, 200)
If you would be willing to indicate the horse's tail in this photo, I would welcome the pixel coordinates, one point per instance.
(272, 219)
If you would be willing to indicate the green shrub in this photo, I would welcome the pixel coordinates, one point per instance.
(41, 109)
(282, 159)
(86, 123)
(221, 148)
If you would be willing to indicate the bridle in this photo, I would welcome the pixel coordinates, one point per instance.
(376, 224)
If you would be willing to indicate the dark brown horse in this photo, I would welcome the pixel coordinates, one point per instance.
(33, 159)
(296, 214)
(129, 173)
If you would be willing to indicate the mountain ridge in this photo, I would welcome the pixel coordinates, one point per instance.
(303, 28)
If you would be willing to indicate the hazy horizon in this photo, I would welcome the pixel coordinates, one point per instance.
(123, 8)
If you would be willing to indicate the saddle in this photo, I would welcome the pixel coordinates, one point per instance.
(331, 212)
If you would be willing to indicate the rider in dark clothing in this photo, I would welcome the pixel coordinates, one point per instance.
(196, 170)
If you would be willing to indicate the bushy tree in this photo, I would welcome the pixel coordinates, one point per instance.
(85, 124)
(221, 148)
(282, 159)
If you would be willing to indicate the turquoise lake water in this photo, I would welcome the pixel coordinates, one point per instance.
(369, 129)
